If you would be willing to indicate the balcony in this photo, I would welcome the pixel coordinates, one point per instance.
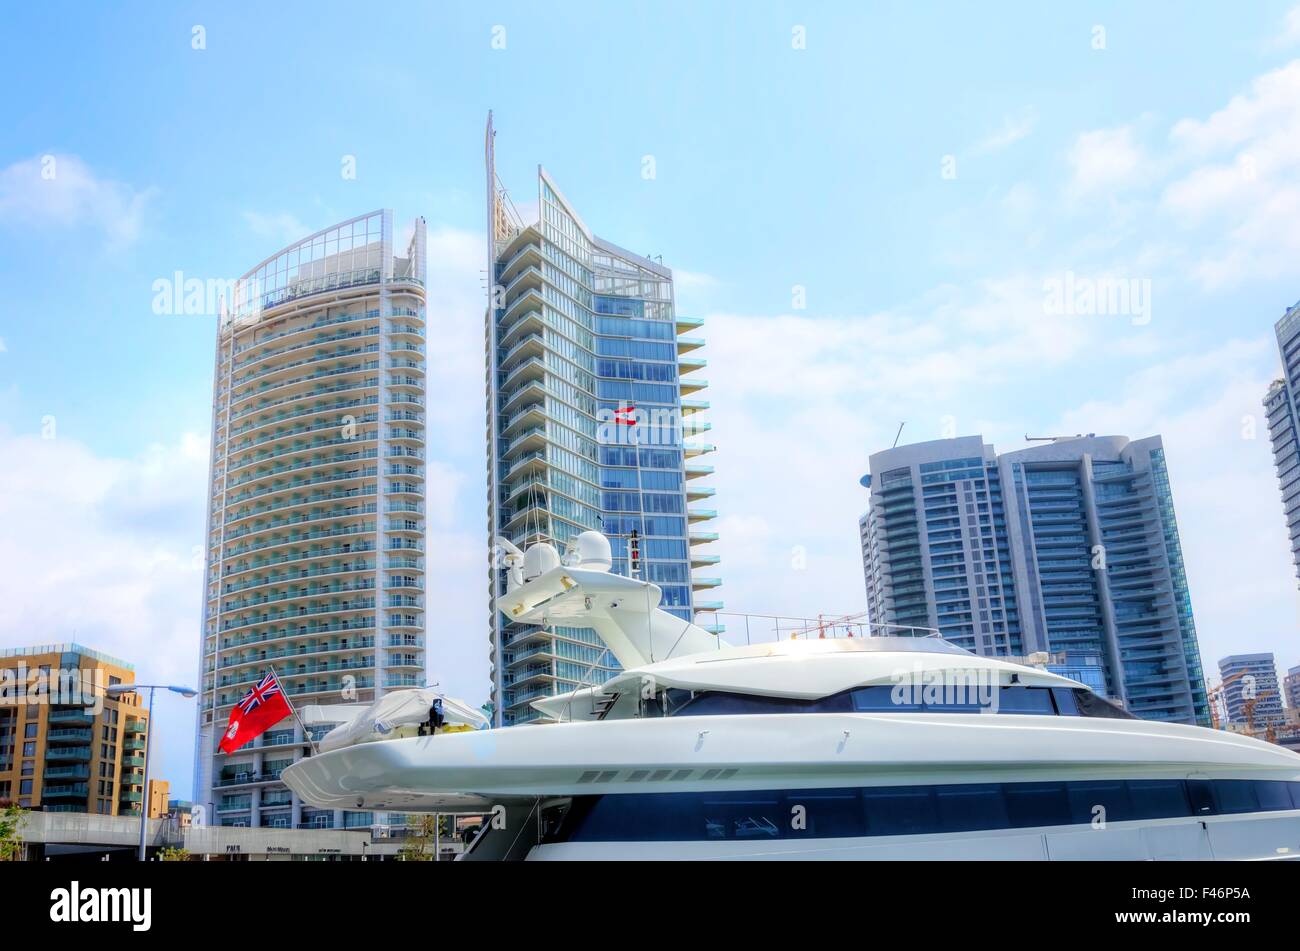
(692, 384)
(67, 754)
(76, 716)
(65, 791)
(69, 736)
(67, 772)
(248, 779)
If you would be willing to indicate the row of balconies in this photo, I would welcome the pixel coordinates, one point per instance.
(317, 341)
(343, 387)
(341, 353)
(331, 424)
(336, 459)
(299, 501)
(365, 528)
(316, 409)
(329, 477)
(304, 650)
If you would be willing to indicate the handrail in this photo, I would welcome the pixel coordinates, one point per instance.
(591, 669)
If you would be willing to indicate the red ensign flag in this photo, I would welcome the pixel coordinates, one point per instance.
(262, 708)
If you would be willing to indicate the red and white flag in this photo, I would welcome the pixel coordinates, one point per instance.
(261, 708)
(625, 415)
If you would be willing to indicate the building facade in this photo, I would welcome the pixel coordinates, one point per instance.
(64, 745)
(1282, 410)
(1250, 694)
(1291, 691)
(316, 533)
(593, 397)
(1068, 549)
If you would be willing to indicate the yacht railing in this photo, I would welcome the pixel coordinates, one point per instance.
(749, 628)
(585, 682)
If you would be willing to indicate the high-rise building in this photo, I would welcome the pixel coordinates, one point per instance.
(1291, 691)
(315, 538)
(592, 394)
(1250, 694)
(1068, 548)
(1282, 411)
(66, 746)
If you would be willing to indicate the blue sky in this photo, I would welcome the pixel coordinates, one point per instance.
(921, 171)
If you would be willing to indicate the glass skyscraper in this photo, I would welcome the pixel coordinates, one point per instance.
(1069, 548)
(593, 419)
(1282, 411)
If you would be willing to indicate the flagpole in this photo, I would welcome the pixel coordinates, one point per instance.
(306, 734)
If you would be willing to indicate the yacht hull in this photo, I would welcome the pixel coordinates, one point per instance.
(1260, 837)
(467, 771)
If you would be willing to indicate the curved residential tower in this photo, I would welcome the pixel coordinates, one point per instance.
(315, 539)
(593, 397)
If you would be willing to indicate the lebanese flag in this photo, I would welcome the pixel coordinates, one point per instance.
(625, 415)
(262, 708)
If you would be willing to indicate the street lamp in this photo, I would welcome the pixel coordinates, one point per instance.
(116, 691)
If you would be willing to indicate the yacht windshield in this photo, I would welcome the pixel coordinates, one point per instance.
(1016, 699)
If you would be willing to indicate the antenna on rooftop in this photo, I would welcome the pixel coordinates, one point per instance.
(900, 433)
(1029, 438)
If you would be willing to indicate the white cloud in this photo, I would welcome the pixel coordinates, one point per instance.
(281, 228)
(62, 191)
(1104, 161)
(1289, 35)
(693, 280)
(799, 402)
(1243, 181)
(1013, 129)
(105, 552)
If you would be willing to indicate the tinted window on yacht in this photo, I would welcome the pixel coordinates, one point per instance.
(886, 698)
(1091, 705)
(717, 703)
(908, 810)
(1016, 699)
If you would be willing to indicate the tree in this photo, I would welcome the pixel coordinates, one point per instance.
(12, 819)
(420, 845)
(170, 854)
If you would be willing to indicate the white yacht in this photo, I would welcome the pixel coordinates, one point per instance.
(813, 748)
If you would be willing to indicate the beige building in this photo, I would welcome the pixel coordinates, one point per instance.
(64, 745)
(159, 789)
(315, 537)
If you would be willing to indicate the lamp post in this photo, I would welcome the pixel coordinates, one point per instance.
(116, 691)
